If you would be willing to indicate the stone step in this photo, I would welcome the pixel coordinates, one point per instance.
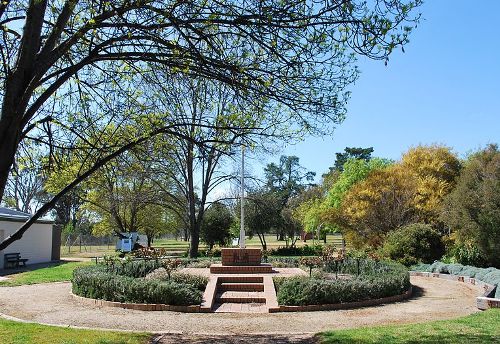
(240, 297)
(229, 307)
(240, 287)
(240, 269)
(241, 279)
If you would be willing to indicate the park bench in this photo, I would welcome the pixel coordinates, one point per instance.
(13, 260)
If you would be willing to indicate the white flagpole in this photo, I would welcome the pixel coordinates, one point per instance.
(242, 228)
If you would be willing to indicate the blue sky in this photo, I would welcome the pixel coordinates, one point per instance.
(443, 89)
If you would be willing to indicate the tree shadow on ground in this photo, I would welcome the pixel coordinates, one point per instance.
(32, 267)
(235, 339)
(443, 338)
(417, 292)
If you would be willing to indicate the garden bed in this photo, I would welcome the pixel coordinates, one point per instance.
(139, 282)
(358, 281)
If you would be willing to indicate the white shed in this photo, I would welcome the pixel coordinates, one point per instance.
(37, 243)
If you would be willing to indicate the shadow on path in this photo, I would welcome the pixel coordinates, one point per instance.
(235, 339)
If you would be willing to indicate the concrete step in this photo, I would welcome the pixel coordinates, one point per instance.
(240, 287)
(241, 297)
(229, 307)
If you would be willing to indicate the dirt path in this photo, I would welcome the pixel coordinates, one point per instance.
(53, 304)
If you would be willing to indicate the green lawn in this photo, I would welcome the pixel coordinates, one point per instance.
(87, 251)
(12, 332)
(54, 273)
(483, 327)
(179, 246)
(477, 328)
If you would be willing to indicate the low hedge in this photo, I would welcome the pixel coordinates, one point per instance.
(134, 268)
(101, 282)
(196, 281)
(486, 275)
(305, 250)
(376, 280)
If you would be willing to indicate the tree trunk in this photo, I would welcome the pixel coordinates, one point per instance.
(262, 238)
(9, 141)
(195, 242)
(150, 240)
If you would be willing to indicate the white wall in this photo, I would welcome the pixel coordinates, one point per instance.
(35, 245)
(2, 236)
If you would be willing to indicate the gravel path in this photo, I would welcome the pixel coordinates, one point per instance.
(52, 304)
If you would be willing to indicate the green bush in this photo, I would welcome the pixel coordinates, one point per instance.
(99, 282)
(377, 280)
(468, 254)
(305, 250)
(134, 268)
(279, 262)
(196, 281)
(412, 244)
(488, 275)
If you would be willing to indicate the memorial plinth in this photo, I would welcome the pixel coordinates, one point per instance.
(241, 261)
(241, 256)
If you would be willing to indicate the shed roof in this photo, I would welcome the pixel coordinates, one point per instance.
(7, 214)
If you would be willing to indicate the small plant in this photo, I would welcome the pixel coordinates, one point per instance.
(265, 255)
(150, 253)
(311, 262)
(329, 253)
(170, 265)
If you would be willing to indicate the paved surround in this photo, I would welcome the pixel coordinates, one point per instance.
(483, 302)
(51, 303)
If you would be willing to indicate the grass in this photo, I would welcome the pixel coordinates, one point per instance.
(87, 251)
(22, 333)
(179, 246)
(476, 328)
(52, 273)
(483, 327)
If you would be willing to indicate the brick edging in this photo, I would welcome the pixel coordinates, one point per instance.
(136, 306)
(347, 305)
(482, 302)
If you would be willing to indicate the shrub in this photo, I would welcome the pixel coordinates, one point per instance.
(198, 263)
(412, 244)
(98, 282)
(136, 268)
(305, 250)
(468, 254)
(196, 281)
(380, 279)
(289, 262)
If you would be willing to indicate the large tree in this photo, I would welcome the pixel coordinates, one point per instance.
(262, 214)
(60, 59)
(351, 153)
(286, 180)
(472, 209)
(216, 227)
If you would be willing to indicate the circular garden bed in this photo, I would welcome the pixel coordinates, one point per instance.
(151, 281)
(332, 284)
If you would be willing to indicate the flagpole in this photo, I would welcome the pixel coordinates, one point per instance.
(242, 222)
